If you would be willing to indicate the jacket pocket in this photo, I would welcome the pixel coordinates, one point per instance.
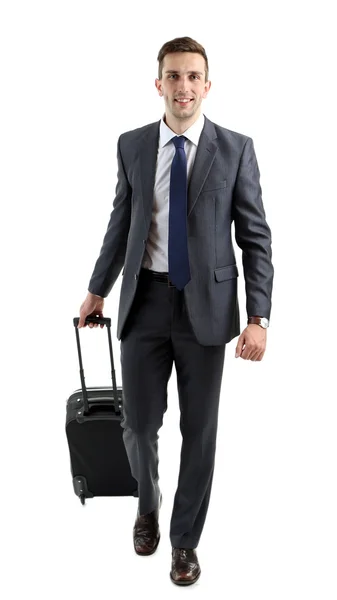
(216, 185)
(224, 273)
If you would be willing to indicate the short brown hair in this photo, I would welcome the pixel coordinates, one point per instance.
(182, 44)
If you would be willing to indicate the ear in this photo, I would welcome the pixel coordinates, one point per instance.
(158, 86)
(207, 88)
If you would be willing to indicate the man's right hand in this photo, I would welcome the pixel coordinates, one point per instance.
(91, 307)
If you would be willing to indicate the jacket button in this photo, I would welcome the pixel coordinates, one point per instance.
(144, 241)
(136, 276)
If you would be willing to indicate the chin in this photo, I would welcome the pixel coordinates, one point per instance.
(189, 110)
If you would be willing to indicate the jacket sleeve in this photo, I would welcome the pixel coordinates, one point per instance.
(112, 255)
(253, 235)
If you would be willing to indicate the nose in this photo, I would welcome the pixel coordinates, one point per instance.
(182, 82)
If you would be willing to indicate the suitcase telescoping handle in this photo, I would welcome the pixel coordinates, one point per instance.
(100, 321)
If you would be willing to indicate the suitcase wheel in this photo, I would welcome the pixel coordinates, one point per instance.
(81, 488)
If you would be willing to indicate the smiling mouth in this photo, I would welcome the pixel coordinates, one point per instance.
(179, 101)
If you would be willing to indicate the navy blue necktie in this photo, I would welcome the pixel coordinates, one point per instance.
(179, 269)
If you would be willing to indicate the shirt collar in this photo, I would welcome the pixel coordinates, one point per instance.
(192, 133)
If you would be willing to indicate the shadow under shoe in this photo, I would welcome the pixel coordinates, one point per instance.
(185, 566)
(146, 533)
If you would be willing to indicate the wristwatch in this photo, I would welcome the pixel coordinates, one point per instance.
(262, 321)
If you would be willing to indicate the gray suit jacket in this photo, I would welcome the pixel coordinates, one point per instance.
(224, 186)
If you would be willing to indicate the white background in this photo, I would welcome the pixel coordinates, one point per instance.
(74, 76)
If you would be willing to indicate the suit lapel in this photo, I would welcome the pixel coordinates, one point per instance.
(204, 158)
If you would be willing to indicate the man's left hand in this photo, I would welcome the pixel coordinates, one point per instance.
(252, 343)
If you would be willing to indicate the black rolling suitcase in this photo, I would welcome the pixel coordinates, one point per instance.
(99, 463)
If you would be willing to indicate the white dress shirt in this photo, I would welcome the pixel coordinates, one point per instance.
(156, 249)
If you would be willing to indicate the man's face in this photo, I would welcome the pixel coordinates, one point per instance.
(183, 77)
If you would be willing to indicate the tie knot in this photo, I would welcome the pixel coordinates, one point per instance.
(179, 141)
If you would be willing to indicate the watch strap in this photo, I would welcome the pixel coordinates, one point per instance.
(255, 320)
(262, 321)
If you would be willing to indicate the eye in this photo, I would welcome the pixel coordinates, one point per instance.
(175, 74)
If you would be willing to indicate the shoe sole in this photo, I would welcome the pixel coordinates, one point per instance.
(186, 582)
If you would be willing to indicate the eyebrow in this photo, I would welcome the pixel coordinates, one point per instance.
(191, 72)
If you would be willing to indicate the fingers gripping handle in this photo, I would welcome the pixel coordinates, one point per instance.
(99, 320)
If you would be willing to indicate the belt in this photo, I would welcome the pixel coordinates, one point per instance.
(156, 276)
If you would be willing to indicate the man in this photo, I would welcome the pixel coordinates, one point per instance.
(181, 183)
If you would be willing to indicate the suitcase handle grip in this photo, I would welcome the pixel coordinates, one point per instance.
(98, 400)
(97, 403)
(101, 321)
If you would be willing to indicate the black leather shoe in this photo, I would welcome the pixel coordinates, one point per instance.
(185, 566)
(146, 533)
